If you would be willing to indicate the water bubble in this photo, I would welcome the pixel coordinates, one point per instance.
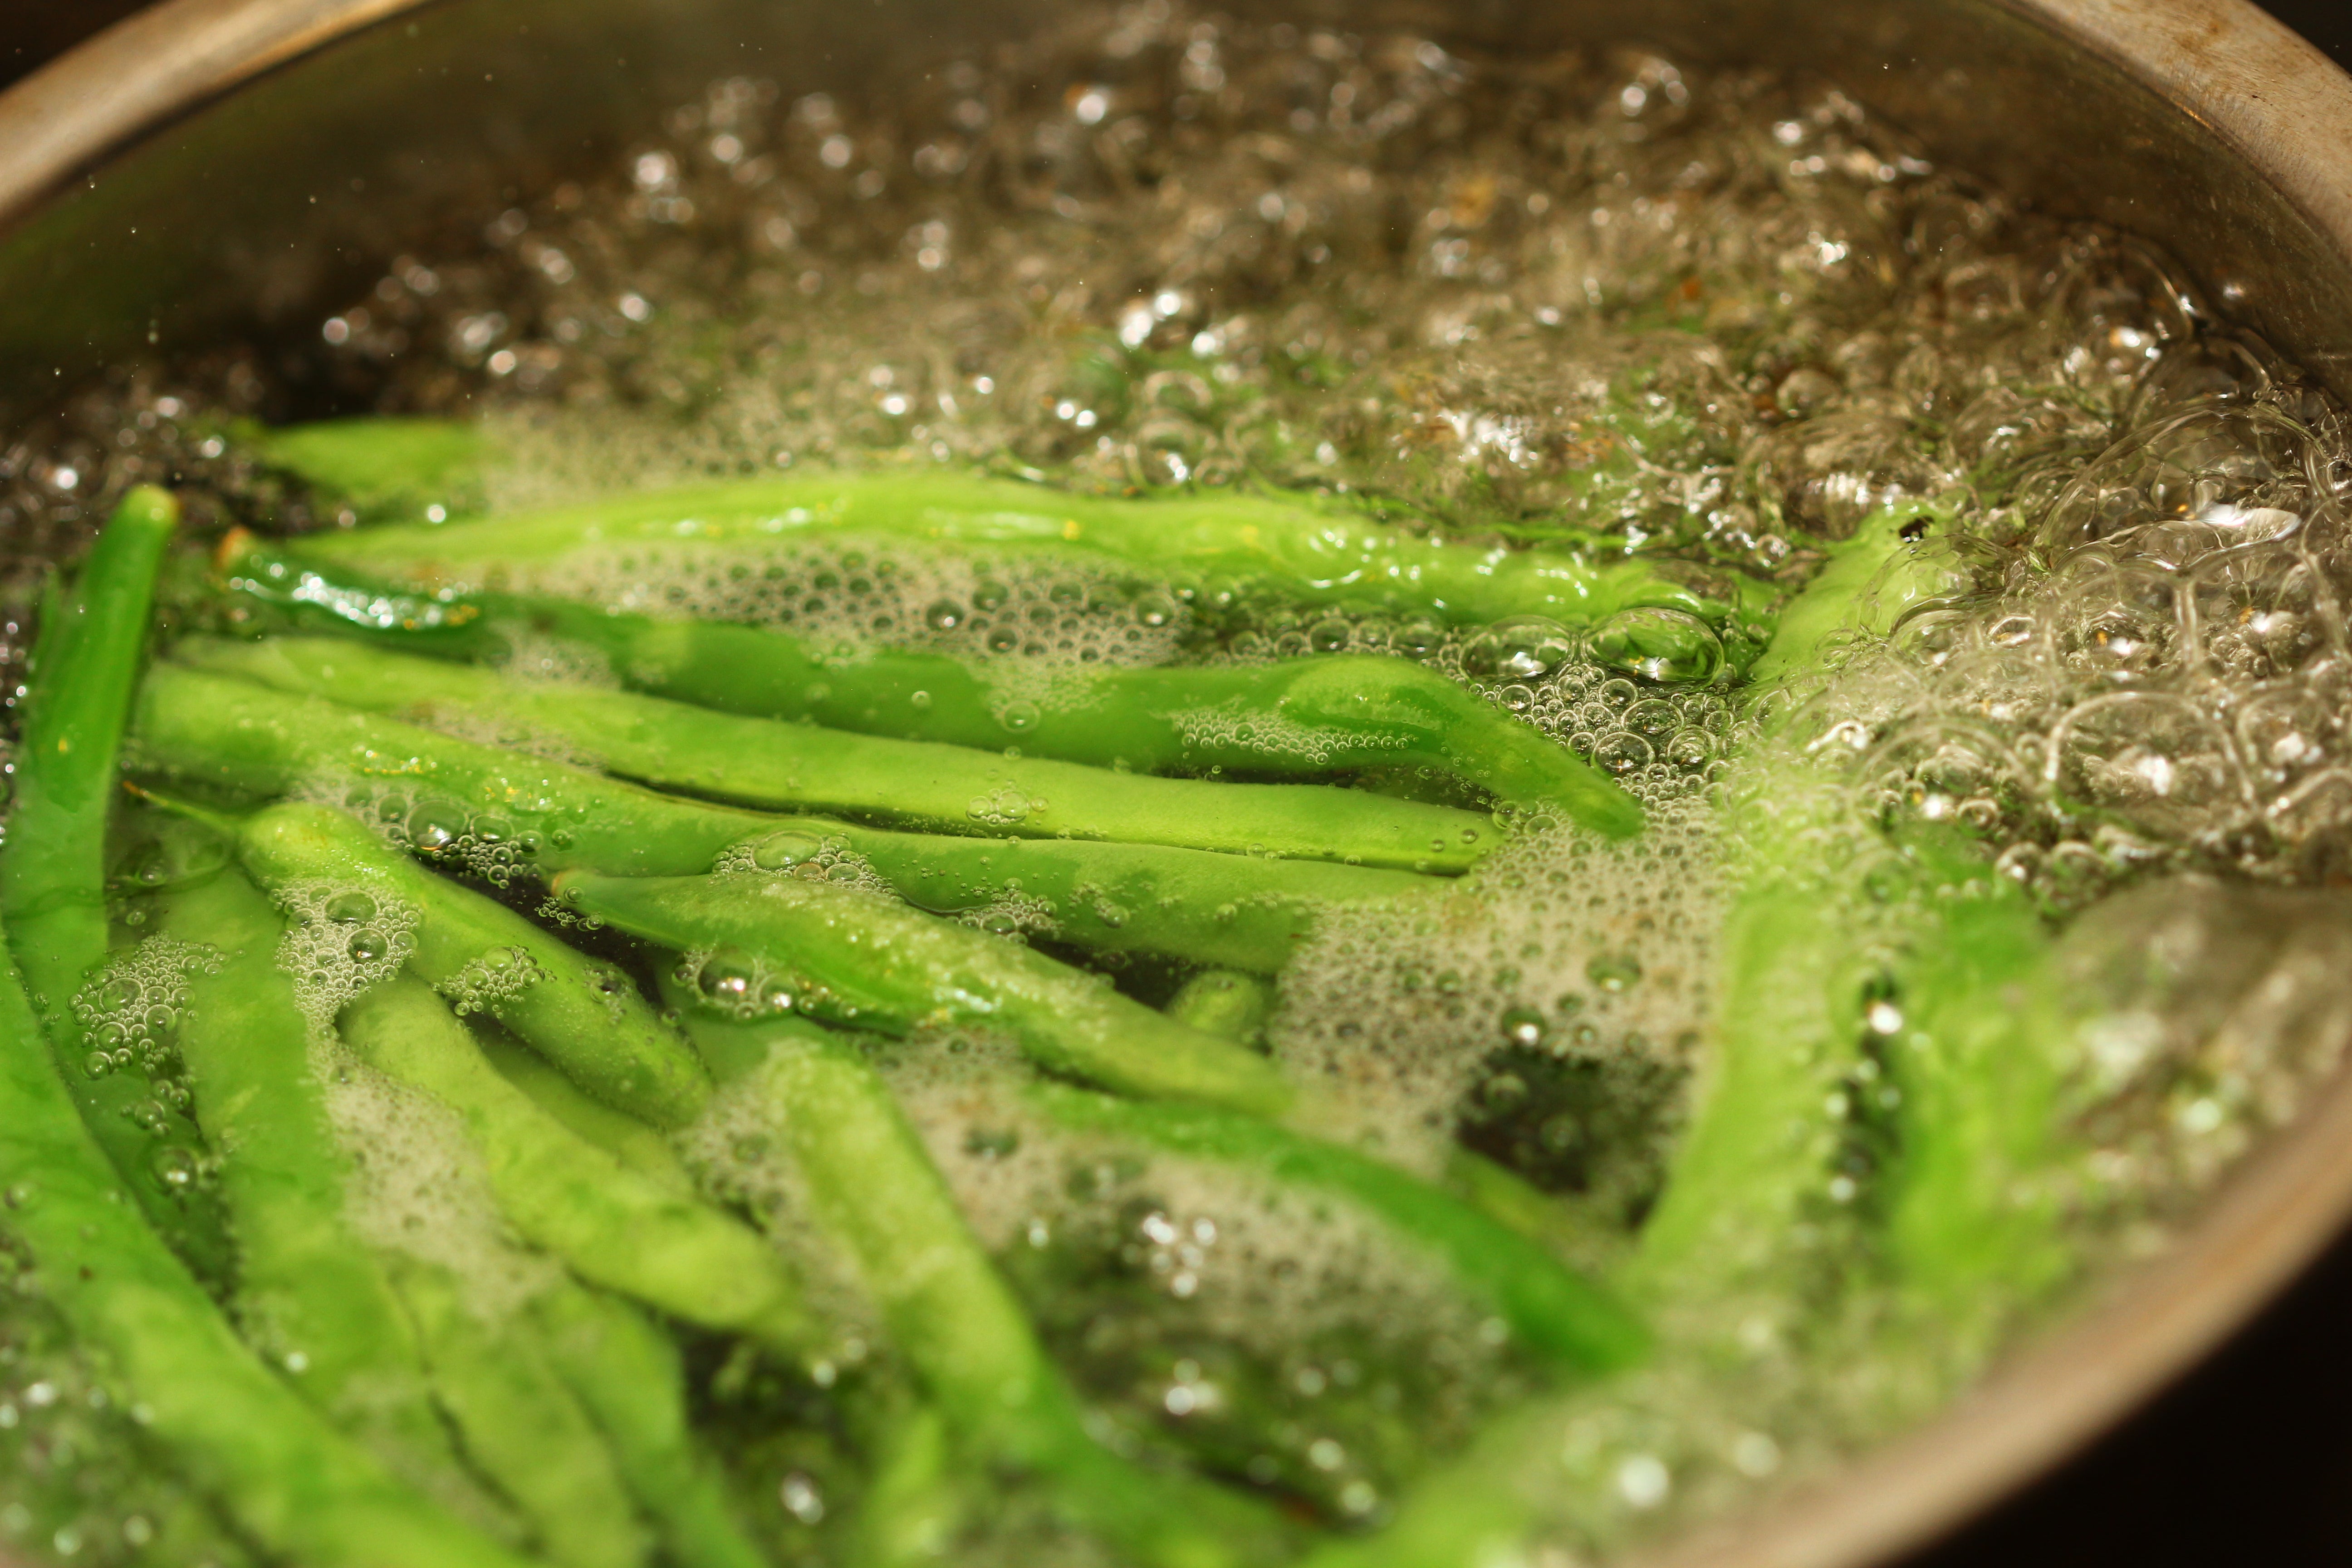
(1666, 646)
(1623, 752)
(368, 945)
(1524, 1026)
(1613, 972)
(943, 615)
(1523, 647)
(782, 851)
(173, 1166)
(727, 975)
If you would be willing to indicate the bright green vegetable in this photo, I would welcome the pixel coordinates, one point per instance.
(248, 741)
(1972, 1208)
(521, 1425)
(1299, 717)
(628, 1375)
(873, 1188)
(1234, 911)
(289, 1480)
(917, 1497)
(1225, 1002)
(1546, 1305)
(312, 1296)
(1892, 561)
(1287, 546)
(761, 762)
(610, 1224)
(583, 1015)
(845, 955)
(1240, 912)
(1748, 1223)
(635, 1144)
(1824, 912)
(53, 862)
(385, 468)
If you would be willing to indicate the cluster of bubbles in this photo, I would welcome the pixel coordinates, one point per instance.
(1560, 952)
(1199, 1305)
(2149, 668)
(340, 941)
(1591, 298)
(130, 1011)
(838, 595)
(491, 842)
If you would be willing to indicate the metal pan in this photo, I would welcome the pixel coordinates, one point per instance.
(227, 167)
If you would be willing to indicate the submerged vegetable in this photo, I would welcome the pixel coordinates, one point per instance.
(774, 944)
(760, 763)
(1302, 717)
(53, 867)
(1295, 548)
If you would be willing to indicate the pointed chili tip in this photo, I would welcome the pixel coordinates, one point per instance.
(149, 504)
(235, 544)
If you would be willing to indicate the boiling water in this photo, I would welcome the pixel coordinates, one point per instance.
(1594, 302)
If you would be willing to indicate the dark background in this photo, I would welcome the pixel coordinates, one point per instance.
(2247, 1464)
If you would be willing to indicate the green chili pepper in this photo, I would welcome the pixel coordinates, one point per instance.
(52, 861)
(871, 1185)
(842, 954)
(610, 1224)
(313, 1296)
(761, 762)
(1300, 716)
(585, 1017)
(289, 1480)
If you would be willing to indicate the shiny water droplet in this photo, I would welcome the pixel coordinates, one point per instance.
(1524, 1026)
(1669, 647)
(782, 851)
(1613, 973)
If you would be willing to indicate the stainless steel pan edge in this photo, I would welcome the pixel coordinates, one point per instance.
(2214, 90)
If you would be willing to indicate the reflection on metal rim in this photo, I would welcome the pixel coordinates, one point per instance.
(2265, 98)
(152, 69)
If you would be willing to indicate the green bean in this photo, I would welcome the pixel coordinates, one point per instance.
(289, 1480)
(637, 1145)
(762, 763)
(1230, 1004)
(1321, 555)
(1894, 561)
(523, 1426)
(872, 1186)
(250, 741)
(1236, 911)
(383, 469)
(846, 955)
(1548, 1308)
(313, 1296)
(627, 1373)
(1971, 1211)
(607, 1223)
(1297, 718)
(53, 859)
(1807, 936)
(584, 1016)
(917, 1497)
(1747, 1224)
